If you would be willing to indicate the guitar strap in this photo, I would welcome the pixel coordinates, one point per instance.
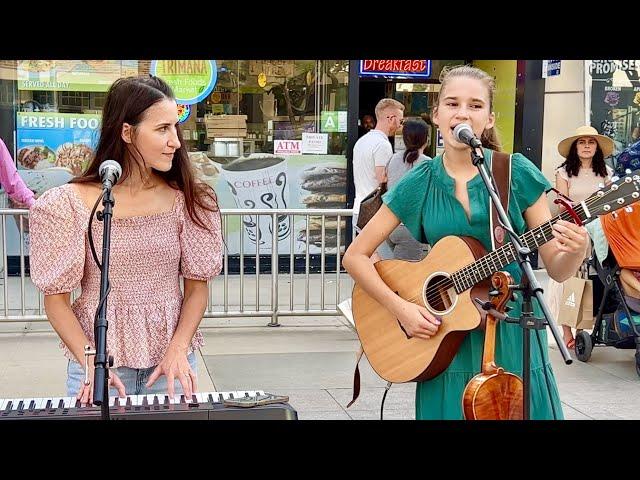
(501, 172)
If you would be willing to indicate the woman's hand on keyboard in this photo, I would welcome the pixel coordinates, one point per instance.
(85, 395)
(175, 365)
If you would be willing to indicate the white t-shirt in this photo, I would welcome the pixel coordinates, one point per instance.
(372, 150)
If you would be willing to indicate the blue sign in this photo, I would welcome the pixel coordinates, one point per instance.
(49, 139)
(550, 68)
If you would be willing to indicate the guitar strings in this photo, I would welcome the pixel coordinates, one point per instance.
(545, 228)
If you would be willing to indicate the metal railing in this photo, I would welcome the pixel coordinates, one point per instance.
(294, 285)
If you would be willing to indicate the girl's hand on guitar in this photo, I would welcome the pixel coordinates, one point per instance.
(417, 321)
(570, 237)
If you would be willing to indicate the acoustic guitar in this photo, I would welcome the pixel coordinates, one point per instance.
(446, 282)
(494, 394)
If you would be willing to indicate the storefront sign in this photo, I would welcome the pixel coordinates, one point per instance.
(550, 68)
(614, 101)
(191, 80)
(287, 147)
(333, 121)
(396, 68)
(47, 140)
(73, 75)
(315, 143)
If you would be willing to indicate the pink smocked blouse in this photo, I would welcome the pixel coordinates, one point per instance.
(147, 256)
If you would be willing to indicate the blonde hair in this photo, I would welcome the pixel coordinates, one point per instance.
(385, 104)
(490, 138)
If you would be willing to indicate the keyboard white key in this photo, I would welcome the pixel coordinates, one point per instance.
(68, 402)
(151, 397)
(200, 397)
(175, 399)
(3, 403)
(41, 403)
(225, 395)
(136, 400)
(112, 401)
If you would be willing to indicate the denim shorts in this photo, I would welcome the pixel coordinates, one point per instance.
(134, 379)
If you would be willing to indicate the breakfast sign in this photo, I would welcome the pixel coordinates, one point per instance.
(396, 68)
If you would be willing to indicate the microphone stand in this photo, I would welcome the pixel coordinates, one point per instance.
(101, 373)
(528, 285)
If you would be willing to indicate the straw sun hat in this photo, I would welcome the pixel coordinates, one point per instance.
(606, 144)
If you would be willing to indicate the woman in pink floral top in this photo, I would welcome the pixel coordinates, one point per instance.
(164, 226)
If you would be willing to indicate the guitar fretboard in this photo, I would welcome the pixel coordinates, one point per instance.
(495, 261)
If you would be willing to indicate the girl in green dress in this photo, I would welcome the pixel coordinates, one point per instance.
(446, 196)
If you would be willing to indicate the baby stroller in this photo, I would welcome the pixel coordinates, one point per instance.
(617, 321)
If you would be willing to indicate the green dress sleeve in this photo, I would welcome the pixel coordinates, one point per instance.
(407, 197)
(527, 181)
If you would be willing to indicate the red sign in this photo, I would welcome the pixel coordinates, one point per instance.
(420, 68)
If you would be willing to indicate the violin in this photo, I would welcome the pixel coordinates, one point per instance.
(494, 394)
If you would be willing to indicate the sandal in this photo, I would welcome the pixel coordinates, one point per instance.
(571, 343)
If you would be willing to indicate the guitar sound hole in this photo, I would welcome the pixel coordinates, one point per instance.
(437, 293)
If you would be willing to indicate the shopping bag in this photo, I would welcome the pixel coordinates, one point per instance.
(576, 304)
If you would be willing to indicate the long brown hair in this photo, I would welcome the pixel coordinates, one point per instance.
(572, 164)
(127, 100)
(489, 138)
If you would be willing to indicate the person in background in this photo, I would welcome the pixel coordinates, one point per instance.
(367, 124)
(372, 152)
(19, 194)
(579, 176)
(414, 135)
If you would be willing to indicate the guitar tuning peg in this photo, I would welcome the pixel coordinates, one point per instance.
(614, 215)
(627, 171)
(628, 209)
(615, 178)
(601, 185)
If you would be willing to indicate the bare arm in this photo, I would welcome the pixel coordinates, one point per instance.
(193, 307)
(65, 323)
(563, 255)
(416, 320)
(381, 174)
(67, 326)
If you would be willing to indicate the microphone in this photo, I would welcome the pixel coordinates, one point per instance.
(463, 134)
(109, 172)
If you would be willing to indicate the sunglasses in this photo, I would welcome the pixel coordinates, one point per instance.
(401, 120)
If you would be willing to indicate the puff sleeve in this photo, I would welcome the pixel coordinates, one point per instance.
(57, 246)
(201, 248)
(527, 181)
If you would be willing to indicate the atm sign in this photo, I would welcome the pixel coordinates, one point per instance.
(396, 68)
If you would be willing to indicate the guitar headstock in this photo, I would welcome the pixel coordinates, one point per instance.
(620, 193)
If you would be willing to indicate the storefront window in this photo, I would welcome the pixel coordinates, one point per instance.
(613, 101)
(263, 133)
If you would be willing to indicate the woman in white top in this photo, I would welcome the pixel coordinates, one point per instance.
(581, 174)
